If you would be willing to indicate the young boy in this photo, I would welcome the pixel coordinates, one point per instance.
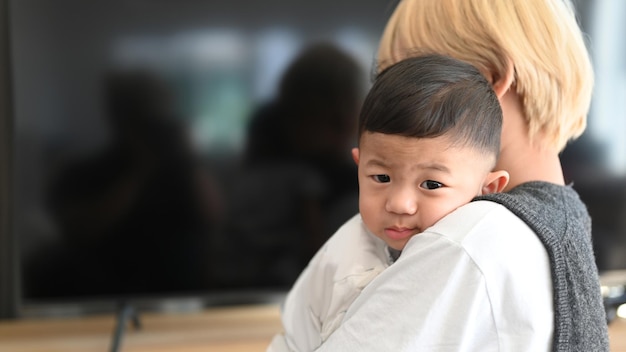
(429, 138)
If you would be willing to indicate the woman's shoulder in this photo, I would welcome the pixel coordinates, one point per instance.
(539, 197)
(555, 212)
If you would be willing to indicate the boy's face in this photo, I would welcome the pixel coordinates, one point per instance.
(407, 184)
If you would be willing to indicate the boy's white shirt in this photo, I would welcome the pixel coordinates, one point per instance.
(338, 272)
(478, 280)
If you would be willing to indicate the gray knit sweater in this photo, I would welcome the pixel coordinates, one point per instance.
(562, 223)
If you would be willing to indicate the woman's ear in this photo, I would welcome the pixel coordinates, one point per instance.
(495, 182)
(502, 84)
(355, 155)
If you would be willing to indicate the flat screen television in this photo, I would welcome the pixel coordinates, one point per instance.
(131, 123)
(172, 214)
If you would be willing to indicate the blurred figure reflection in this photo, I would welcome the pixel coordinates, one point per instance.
(298, 182)
(140, 209)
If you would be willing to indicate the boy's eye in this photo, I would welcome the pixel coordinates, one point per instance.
(382, 178)
(430, 184)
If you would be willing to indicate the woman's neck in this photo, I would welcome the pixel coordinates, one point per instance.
(532, 165)
(525, 161)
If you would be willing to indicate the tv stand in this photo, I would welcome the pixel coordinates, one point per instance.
(125, 313)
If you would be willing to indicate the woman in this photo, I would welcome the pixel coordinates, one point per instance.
(465, 284)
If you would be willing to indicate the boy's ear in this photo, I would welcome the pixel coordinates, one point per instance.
(495, 182)
(355, 155)
(501, 84)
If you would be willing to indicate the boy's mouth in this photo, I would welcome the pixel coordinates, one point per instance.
(399, 233)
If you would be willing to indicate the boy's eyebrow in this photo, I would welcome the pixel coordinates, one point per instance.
(433, 166)
(376, 162)
(426, 165)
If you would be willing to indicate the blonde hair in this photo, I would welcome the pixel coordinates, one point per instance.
(541, 38)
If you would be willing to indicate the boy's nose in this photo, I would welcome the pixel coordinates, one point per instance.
(402, 202)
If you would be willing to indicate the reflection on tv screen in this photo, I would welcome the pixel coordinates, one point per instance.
(183, 148)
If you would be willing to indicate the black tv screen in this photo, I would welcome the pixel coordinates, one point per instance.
(133, 122)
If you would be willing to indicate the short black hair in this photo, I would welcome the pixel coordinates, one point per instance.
(430, 95)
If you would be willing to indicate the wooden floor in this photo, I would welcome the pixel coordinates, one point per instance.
(617, 335)
(232, 329)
